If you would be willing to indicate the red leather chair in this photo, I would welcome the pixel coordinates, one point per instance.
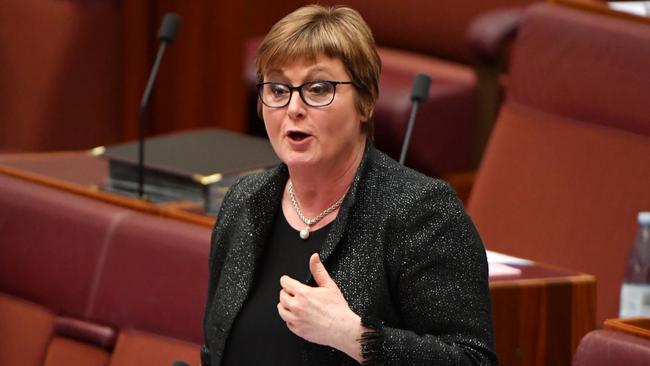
(610, 347)
(83, 282)
(567, 169)
(414, 37)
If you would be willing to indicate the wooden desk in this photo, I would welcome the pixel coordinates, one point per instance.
(539, 316)
(82, 173)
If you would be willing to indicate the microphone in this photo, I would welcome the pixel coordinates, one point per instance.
(419, 94)
(166, 35)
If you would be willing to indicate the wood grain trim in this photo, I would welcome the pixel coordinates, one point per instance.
(577, 279)
(639, 326)
(169, 211)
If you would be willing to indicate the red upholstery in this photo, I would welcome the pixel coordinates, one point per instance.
(566, 169)
(412, 35)
(442, 138)
(25, 331)
(607, 347)
(154, 277)
(141, 349)
(51, 244)
(66, 352)
(100, 335)
(100, 269)
(434, 28)
(60, 74)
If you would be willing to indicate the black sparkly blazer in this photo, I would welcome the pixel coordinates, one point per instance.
(404, 253)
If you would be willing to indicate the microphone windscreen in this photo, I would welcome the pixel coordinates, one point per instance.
(421, 85)
(169, 27)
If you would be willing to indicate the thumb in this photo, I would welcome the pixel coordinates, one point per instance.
(319, 272)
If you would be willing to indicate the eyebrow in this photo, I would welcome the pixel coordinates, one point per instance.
(309, 76)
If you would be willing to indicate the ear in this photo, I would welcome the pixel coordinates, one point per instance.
(367, 112)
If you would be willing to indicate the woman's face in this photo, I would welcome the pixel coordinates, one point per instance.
(305, 136)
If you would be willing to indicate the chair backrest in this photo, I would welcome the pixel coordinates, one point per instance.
(568, 164)
(433, 28)
(92, 264)
(609, 347)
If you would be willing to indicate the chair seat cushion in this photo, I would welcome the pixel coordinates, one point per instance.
(25, 331)
(142, 349)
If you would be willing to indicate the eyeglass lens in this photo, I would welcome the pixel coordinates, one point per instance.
(315, 93)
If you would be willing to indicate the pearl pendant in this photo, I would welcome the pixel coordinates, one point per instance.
(304, 233)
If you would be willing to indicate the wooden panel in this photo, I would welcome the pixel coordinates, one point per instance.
(260, 15)
(138, 42)
(540, 321)
(83, 175)
(200, 80)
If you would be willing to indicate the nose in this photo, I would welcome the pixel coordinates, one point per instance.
(297, 109)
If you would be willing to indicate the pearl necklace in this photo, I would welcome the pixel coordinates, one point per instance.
(304, 233)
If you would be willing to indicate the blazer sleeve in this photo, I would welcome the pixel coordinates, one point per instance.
(218, 251)
(442, 290)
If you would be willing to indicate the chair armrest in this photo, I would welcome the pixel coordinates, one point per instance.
(462, 183)
(610, 347)
(489, 35)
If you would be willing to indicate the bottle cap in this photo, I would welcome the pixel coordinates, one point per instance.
(644, 218)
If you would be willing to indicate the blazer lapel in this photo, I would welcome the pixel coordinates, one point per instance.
(341, 221)
(253, 229)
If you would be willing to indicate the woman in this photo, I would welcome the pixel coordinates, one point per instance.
(339, 255)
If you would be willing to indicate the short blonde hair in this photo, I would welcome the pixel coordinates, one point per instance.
(336, 32)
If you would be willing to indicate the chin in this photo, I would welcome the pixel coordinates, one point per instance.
(297, 160)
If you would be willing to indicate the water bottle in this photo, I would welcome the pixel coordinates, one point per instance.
(635, 292)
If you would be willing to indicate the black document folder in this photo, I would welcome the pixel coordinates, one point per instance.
(196, 165)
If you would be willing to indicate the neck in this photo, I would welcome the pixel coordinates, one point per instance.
(318, 188)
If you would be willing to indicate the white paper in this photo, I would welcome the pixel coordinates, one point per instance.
(500, 270)
(494, 257)
(640, 8)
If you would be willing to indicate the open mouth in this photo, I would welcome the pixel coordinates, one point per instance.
(297, 135)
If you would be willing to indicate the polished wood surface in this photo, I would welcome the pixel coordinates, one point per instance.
(638, 326)
(84, 174)
(539, 315)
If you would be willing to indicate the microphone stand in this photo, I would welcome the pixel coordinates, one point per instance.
(143, 107)
(409, 130)
(167, 34)
(419, 93)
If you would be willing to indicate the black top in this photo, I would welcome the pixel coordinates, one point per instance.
(259, 336)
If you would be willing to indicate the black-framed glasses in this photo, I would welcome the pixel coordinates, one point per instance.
(317, 93)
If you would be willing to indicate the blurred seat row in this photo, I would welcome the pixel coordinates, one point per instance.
(84, 282)
(567, 165)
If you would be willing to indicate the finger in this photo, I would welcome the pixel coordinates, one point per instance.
(286, 315)
(319, 272)
(286, 300)
(293, 287)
